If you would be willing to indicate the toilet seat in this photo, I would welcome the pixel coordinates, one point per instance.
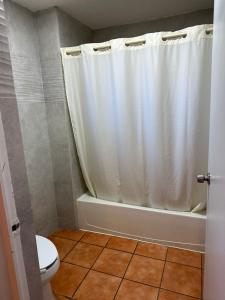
(47, 253)
(48, 263)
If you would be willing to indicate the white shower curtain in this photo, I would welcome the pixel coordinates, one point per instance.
(140, 116)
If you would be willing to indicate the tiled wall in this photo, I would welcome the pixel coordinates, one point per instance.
(52, 165)
(11, 124)
(165, 24)
(27, 72)
(53, 26)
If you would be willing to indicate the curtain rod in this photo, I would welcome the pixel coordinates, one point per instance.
(139, 43)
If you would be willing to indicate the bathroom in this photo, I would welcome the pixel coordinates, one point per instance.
(111, 150)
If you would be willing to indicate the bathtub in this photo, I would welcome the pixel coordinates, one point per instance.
(178, 229)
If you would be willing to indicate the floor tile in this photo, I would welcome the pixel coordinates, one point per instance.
(67, 279)
(113, 262)
(75, 235)
(130, 290)
(98, 286)
(63, 246)
(122, 244)
(95, 238)
(182, 279)
(145, 270)
(83, 255)
(167, 295)
(151, 250)
(185, 257)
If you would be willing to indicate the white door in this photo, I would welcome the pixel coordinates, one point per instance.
(13, 283)
(214, 281)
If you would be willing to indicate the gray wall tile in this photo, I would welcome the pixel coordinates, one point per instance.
(6, 78)
(65, 206)
(57, 122)
(165, 24)
(48, 33)
(24, 49)
(26, 65)
(21, 24)
(27, 78)
(58, 133)
(34, 125)
(38, 159)
(8, 108)
(67, 172)
(68, 32)
(53, 79)
(11, 124)
(61, 162)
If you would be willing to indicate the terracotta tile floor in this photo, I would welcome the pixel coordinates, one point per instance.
(99, 267)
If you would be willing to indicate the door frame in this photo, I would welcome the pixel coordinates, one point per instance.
(9, 271)
(10, 227)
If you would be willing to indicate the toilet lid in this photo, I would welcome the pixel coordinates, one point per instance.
(47, 252)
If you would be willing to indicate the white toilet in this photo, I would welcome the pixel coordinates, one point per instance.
(49, 264)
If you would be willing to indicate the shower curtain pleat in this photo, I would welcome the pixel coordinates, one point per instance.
(140, 117)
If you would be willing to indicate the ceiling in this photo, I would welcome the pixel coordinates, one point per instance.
(105, 13)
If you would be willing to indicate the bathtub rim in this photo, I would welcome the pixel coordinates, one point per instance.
(83, 224)
(191, 214)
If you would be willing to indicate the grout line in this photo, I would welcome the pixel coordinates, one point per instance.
(80, 284)
(87, 273)
(66, 297)
(63, 260)
(173, 262)
(108, 242)
(92, 244)
(95, 243)
(145, 284)
(69, 252)
(114, 275)
(57, 234)
(194, 298)
(134, 250)
(125, 271)
(162, 273)
(122, 250)
(76, 242)
(133, 253)
(122, 278)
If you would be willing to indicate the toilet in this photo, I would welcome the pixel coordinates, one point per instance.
(48, 263)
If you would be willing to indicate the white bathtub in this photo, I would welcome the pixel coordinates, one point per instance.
(177, 229)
